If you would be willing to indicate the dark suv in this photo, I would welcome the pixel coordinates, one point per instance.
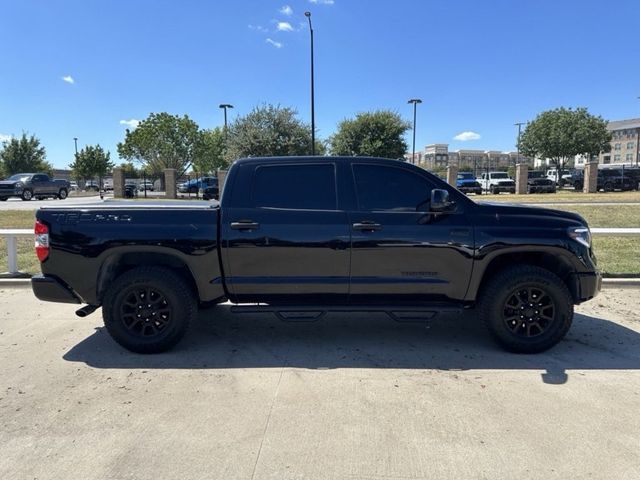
(609, 179)
(537, 182)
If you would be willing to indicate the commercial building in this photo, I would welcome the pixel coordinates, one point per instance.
(625, 144)
(437, 156)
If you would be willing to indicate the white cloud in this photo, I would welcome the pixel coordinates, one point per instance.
(467, 136)
(131, 123)
(284, 27)
(5, 138)
(68, 79)
(258, 28)
(274, 43)
(322, 2)
(286, 10)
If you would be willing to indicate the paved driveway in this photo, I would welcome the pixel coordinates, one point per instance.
(348, 397)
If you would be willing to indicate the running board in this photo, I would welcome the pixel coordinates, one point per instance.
(312, 313)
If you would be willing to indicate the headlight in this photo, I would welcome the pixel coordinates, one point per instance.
(18, 185)
(581, 235)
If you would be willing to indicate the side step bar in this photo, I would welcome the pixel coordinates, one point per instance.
(311, 313)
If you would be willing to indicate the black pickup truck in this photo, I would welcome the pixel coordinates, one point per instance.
(302, 236)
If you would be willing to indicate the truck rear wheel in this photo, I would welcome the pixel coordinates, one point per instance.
(527, 309)
(62, 194)
(148, 309)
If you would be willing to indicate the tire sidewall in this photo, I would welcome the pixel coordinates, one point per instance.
(26, 195)
(62, 194)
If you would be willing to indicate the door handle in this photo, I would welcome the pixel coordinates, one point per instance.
(367, 226)
(245, 225)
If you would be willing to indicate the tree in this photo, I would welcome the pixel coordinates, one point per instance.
(24, 155)
(563, 133)
(210, 152)
(91, 162)
(375, 134)
(266, 131)
(130, 170)
(162, 141)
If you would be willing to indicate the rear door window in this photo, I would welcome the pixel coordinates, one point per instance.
(299, 187)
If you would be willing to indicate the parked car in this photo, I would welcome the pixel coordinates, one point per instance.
(609, 180)
(496, 182)
(130, 190)
(467, 183)
(193, 186)
(145, 185)
(73, 185)
(537, 182)
(33, 185)
(211, 192)
(300, 236)
(565, 179)
(107, 184)
(92, 185)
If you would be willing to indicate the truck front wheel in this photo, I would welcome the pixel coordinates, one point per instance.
(62, 194)
(148, 309)
(26, 195)
(527, 309)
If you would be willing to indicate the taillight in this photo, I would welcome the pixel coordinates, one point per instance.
(42, 240)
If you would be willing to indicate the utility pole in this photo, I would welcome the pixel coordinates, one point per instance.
(415, 102)
(313, 113)
(75, 140)
(519, 125)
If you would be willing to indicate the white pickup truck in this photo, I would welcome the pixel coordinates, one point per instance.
(552, 174)
(496, 182)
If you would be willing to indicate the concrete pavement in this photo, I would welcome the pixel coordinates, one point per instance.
(348, 397)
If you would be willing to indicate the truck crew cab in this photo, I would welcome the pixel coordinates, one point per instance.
(305, 235)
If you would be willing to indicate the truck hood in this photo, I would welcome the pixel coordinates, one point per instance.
(511, 209)
(8, 182)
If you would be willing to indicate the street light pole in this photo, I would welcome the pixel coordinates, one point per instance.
(519, 125)
(225, 106)
(75, 140)
(313, 113)
(415, 102)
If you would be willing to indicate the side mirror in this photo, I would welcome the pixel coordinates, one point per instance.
(440, 201)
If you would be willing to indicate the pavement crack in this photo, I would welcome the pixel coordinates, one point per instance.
(268, 422)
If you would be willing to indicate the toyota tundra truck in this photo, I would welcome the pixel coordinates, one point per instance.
(302, 236)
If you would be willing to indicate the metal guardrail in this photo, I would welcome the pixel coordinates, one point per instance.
(12, 234)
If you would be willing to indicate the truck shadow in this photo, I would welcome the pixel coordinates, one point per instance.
(221, 340)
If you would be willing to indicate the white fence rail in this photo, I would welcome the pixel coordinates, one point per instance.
(12, 234)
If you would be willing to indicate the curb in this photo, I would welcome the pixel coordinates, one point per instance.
(15, 283)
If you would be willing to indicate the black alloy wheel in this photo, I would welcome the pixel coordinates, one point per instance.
(149, 309)
(527, 309)
(145, 311)
(528, 312)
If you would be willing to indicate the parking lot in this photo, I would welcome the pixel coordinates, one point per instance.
(348, 397)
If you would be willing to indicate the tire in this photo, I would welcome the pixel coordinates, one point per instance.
(175, 304)
(495, 190)
(26, 195)
(608, 187)
(62, 194)
(504, 310)
(3, 199)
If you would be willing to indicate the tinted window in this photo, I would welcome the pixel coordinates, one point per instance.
(39, 178)
(295, 187)
(388, 188)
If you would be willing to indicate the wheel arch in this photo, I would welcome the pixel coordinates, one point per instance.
(120, 262)
(560, 265)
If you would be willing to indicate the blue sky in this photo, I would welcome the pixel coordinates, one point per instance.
(478, 66)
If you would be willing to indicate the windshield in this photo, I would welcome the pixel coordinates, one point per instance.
(465, 176)
(20, 177)
(499, 175)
